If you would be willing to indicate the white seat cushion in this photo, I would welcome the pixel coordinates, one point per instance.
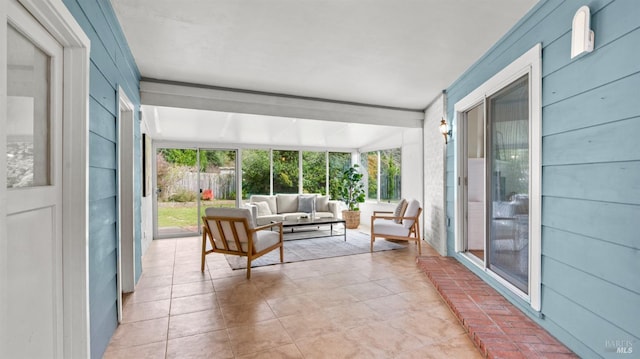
(269, 219)
(385, 226)
(263, 240)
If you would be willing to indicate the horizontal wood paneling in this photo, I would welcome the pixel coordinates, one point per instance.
(103, 152)
(102, 213)
(580, 323)
(102, 184)
(101, 90)
(586, 182)
(612, 102)
(602, 143)
(608, 261)
(588, 72)
(103, 122)
(610, 222)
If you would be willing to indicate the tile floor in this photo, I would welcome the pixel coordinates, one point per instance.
(376, 305)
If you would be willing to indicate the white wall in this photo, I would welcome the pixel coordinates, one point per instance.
(411, 173)
(434, 173)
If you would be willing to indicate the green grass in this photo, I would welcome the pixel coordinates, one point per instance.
(174, 214)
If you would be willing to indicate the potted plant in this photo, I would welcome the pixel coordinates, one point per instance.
(352, 193)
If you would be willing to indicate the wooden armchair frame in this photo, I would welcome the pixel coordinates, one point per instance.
(251, 254)
(414, 230)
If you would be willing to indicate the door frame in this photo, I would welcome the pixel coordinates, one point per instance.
(56, 18)
(528, 63)
(126, 189)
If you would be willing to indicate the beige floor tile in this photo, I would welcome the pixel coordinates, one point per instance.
(195, 323)
(308, 324)
(239, 294)
(352, 315)
(331, 297)
(333, 345)
(292, 305)
(148, 294)
(194, 303)
(246, 314)
(376, 305)
(383, 340)
(258, 337)
(146, 351)
(187, 289)
(207, 345)
(289, 351)
(190, 276)
(367, 290)
(154, 281)
(133, 312)
(139, 333)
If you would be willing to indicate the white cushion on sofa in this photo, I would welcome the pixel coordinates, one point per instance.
(322, 204)
(385, 226)
(271, 200)
(287, 203)
(263, 208)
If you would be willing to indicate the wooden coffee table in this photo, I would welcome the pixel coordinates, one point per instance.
(308, 222)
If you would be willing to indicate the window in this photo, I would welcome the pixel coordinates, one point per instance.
(256, 172)
(383, 174)
(314, 172)
(285, 171)
(338, 163)
(390, 175)
(498, 175)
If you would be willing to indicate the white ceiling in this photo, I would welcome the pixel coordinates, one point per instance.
(377, 52)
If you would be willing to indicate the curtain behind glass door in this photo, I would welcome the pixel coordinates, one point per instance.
(508, 121)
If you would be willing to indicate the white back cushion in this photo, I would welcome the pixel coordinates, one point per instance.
(412, 210)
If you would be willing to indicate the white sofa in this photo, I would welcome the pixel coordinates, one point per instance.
(287, 207)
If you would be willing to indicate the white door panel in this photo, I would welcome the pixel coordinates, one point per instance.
(34, 188)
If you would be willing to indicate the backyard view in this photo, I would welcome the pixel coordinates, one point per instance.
(190, 180)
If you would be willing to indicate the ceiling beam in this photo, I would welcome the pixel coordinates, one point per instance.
(190, 96)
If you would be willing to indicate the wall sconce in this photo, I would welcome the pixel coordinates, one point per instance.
(444, 129)
(582, 37)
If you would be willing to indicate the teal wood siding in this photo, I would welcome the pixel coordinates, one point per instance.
(590, 171)
(112, 65)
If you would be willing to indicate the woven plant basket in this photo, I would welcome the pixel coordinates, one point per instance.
(352, 219)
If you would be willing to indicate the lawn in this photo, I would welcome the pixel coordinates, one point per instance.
(184, 214)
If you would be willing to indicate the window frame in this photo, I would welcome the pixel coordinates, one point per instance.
(529, 63)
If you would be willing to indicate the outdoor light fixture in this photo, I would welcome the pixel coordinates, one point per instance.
(444, 129)
(582, 37)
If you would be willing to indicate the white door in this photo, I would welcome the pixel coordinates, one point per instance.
(34, 189)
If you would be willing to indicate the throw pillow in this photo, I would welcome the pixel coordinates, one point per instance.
(400, 209)
(306, 203)
(263, 208)
(322, 204)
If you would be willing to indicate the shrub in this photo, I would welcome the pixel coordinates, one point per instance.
(183, 195)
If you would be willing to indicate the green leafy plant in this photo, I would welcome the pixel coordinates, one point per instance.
(351, 188)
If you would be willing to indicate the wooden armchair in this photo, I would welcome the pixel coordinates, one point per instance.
(405, 227)
(232, 231)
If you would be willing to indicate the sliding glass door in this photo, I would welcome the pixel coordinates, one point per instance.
(495, 179)
(188, 180)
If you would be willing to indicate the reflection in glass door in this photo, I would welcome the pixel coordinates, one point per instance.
(187, 182)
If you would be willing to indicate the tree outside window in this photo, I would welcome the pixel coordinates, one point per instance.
(314, 172)
(338, 163)
(285, 171)
(255, 172)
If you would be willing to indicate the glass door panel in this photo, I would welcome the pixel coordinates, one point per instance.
(217, 183)
(177, 192)
(474, 181)
(314, 172)
(508, 119)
